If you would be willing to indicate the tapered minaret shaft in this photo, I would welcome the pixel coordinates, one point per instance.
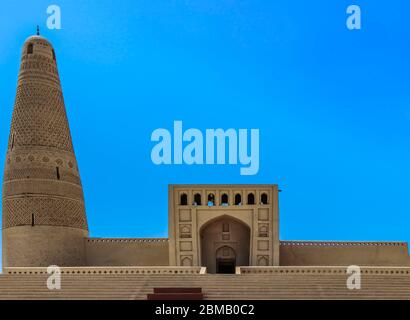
(44, 221)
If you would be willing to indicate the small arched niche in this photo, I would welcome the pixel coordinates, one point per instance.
(197, 199)
(251, 198)
(224, 200)
(211, 199)
(238, 199)
(184, 199)
(264, 198)
(30, 48)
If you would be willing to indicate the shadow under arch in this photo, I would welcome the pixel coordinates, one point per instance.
(225, 215)
(225, 244)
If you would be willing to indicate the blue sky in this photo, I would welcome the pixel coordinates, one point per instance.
(332, 105)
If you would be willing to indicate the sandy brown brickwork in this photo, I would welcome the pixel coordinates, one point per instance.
(343, 253)
(41, 184)
(50, 211)
(127, 252)
(223, 226)
(28, 246)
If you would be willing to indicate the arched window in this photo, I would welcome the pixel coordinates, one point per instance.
(30, 48)
(211, 199)
(224, 200)
(184, 199)
(264, 198)
(197, 199)
(238, 199)
(251, 198)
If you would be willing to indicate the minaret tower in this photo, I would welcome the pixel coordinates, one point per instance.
(44, 221)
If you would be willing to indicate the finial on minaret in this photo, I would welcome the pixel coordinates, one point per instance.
(38, 30)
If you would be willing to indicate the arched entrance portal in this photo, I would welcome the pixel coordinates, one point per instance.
(225, 260)
(224, 245)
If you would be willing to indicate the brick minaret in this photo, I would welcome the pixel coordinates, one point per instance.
(44, 221)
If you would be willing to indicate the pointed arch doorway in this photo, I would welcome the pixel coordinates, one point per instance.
(225, 244)
(225, 260)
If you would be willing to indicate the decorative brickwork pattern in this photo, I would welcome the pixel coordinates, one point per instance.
(40, 173)
(39, 118)
(42, 185)
(45, 211)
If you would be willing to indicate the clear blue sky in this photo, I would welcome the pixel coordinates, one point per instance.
(332, 105)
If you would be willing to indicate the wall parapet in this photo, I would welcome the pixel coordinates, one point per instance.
(127, 240)
(109, 270)
(341, 243)
(322, 270)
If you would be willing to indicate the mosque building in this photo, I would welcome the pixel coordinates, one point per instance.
(214, 230)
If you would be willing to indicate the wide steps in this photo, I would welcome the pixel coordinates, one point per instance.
(240, 287)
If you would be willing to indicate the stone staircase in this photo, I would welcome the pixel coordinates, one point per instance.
(269, 283)
(179, 293)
